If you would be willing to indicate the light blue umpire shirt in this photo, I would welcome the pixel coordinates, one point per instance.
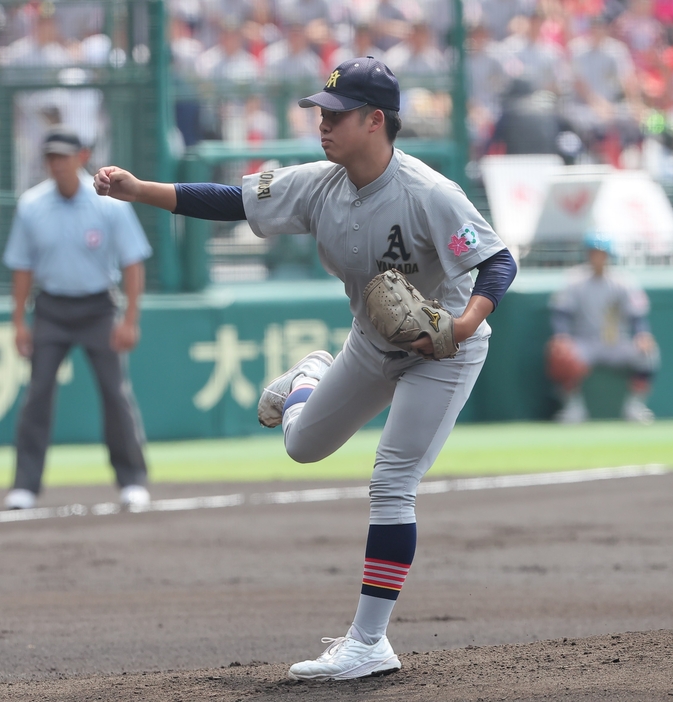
(75, 246)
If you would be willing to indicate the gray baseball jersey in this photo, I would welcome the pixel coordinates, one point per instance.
(410, 218)
(601, 309)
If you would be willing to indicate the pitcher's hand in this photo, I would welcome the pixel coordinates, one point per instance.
(117, 183)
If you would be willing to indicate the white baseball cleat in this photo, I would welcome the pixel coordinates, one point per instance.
(134, 497)
(346, 658)
(270, 406)
(635, 410)
(18, 498)
(573, 412)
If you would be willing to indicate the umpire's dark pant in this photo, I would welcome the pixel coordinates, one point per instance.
(59, 324)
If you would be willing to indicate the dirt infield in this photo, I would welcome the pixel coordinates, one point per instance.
(518, 593)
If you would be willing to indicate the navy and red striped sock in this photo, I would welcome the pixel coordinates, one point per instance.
(388, 557)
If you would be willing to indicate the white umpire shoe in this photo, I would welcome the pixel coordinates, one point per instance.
(346, 658)
(134, 497)
(635, 410)
(19, 498)
(270, 406)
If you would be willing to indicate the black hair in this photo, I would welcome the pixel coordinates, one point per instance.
(392, 120)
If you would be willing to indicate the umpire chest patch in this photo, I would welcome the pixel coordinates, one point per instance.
(264, 185)
(93, 238)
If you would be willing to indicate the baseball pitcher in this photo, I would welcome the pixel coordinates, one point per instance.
(403, 239)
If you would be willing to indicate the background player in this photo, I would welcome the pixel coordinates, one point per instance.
(370, 208)
(600, 319)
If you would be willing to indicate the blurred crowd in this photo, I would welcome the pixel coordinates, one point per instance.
(587, 79)
(262, 42)
(583, 78)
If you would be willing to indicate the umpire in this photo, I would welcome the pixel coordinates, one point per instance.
(73, 247)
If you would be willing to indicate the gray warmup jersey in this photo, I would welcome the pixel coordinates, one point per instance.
(410, 218)
(601, 309)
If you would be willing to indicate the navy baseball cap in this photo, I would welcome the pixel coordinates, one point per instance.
(61, 140)
(356, 83)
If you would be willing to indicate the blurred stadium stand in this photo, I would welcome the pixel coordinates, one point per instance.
(207, 89)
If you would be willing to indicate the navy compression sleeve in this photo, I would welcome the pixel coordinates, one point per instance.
(223, 203)
(495, 276)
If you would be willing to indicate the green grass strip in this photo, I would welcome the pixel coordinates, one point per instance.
(473, 449)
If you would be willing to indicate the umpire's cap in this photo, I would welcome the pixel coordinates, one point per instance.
(356, 83)
(61, 140)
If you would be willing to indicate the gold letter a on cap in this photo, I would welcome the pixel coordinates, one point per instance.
(331, 83)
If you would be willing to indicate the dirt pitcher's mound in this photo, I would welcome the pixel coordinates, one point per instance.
(619, 667)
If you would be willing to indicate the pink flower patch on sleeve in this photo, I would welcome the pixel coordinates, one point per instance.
(463, 240)
(458, 245)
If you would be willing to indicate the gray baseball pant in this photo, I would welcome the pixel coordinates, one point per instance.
(425, 398)
(59, 324)
(623, 354)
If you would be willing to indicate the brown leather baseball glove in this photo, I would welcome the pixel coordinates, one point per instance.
(401, 315)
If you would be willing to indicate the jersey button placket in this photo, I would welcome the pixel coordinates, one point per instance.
(354, 260)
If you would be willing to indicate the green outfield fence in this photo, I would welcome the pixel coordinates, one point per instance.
(204, 358)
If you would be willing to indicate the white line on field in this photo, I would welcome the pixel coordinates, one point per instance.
(434, 487)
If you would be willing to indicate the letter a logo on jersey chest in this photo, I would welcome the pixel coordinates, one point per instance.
(397, 254)
(396, 242)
